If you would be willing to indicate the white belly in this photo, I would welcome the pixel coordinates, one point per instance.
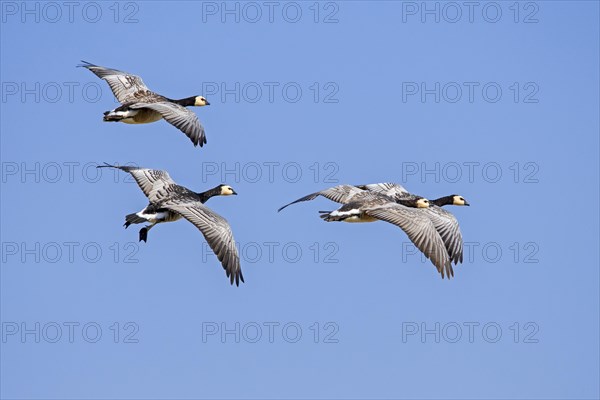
(354, 215)
(163, 216)
(141, 116)
(360, 218)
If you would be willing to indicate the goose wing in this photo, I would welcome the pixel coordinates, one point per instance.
(124, 86)
(447, 226)
(216, 231)
(420, 230)
(340, 194)
(147, 179)
(180, 117)
(392, 190)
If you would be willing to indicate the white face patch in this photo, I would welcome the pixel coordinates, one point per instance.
(459, 201)
(422, 203)
(200, 101)
(227, 191)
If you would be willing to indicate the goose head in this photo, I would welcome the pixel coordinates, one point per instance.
(459, 200)
(200, 101)
(422, 203)
(226, 190)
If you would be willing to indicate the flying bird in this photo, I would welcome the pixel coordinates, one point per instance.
(140, 105)
(170, 202)
(445, 223)
(433, 230)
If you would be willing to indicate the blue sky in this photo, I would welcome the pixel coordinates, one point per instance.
(498, 103)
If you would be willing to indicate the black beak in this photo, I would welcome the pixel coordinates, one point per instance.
(207, 103)
(467, 204)
(233, 192)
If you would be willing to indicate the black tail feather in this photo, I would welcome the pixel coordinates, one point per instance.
(111, 118)
(133, 219)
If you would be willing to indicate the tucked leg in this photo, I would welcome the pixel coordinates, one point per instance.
(144, 232)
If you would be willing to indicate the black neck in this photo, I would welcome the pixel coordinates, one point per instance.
(204, 196)
(443, 201)
(188, 101)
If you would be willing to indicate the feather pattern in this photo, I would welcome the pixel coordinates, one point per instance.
(432, 229)
(393, 190)
(133, 94)
(125, 86)
(420, 230)
(340, 194)
(178, 201)
(178, 116)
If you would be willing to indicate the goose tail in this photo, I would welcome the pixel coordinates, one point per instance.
(133, 219)
(116, 116)
(327, 216)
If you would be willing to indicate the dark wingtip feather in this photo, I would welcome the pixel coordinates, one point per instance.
(85, 64)
(235, 277)
(449, 270)
(281, 208)
(293, 202)
(107, 165)
(239, 277)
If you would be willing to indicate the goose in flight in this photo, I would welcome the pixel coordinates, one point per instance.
(396, 190)
(153, 214)
(170, 202)
(445, 223)
(140, 105)
(433, 230)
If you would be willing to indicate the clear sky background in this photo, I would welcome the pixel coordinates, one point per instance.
(327, 310)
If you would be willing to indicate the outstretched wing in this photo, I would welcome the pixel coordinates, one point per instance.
(147, 179)
(420, 230)
(447, 226)
(216, 231)
(340, 194)
(392, 190)
(180, 117)
(123, 85)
